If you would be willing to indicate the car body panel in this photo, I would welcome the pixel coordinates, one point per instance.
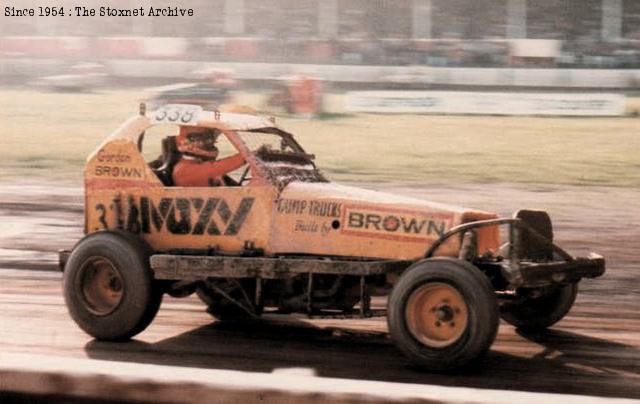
(333, 219)
(298, 218)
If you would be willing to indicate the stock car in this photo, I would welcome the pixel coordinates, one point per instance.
(279, 237)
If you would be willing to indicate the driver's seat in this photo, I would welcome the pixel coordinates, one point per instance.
(170, 157)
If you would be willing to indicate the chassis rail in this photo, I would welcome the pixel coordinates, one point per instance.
(195, 268)
(167, 266)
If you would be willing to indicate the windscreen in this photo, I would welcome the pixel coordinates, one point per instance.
(282, 157)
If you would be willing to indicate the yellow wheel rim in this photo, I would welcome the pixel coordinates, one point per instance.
(436, 314)
(101, 285)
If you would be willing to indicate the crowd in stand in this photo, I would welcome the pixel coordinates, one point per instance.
(460, 33)
(580, 53)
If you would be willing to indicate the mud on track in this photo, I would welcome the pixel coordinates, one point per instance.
(595, 350)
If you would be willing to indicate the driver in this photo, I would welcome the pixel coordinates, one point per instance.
(198, 166)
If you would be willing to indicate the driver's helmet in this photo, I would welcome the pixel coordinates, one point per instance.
(198, 142)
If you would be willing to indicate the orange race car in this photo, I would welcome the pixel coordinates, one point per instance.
(275, 235)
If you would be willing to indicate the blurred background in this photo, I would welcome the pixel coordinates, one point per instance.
(440, 33)
(420, 90)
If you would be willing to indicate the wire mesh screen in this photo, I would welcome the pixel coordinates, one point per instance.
(283, 160)
(255, 140)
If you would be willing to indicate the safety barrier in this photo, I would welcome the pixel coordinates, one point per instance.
(487, 103)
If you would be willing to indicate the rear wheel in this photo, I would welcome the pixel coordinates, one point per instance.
(221, 307)
(443, 314)
(542, 311)
(108, 286)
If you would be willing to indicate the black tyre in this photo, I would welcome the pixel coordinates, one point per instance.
(109, 287)
(443, 314)
(532, 247)
(224, 310)
(538, 313)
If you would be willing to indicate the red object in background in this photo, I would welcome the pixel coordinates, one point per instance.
(320, 51)
(241, 47)
(30, 46)
(305, 95)
(298, 95)
(119, 47)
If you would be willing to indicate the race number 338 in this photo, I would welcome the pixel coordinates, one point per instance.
(179, 114)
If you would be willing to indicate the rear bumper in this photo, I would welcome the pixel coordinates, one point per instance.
(534, 274)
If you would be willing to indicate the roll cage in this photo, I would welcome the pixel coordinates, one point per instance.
(266, 165)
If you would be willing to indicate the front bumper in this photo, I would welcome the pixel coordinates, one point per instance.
(536, 274)
(556, 266)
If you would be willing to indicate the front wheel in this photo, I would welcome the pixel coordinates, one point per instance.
(443, 314)
(108, 286)
(540, 312)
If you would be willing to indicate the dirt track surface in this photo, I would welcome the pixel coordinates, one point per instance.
(594, 351)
